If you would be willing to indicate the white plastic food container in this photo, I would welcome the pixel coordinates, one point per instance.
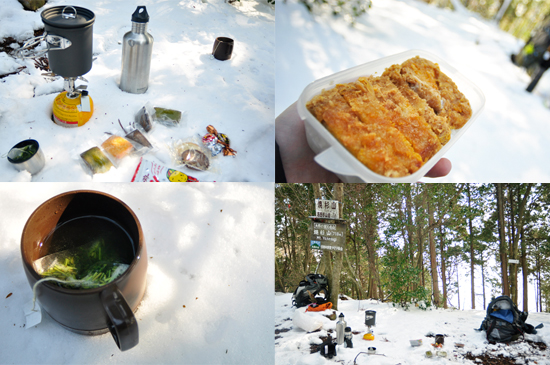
(334, 157)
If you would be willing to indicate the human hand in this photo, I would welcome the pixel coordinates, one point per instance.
(297, 156)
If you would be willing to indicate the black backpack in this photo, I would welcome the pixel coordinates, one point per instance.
(504, 322)
(314, 289)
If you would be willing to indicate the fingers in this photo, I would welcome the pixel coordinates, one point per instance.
(441, 168)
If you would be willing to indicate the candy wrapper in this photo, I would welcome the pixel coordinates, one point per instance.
(95, 161)
(148, 171)
(217, 142)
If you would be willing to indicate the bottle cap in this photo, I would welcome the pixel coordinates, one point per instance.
(140, 15)
(341, 315)
(348, 329)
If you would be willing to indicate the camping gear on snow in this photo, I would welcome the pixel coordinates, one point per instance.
(305, 321)
(439, 339)
(314, 289)
(371, 350)
(416, 343)
(429, 354)
(27, 155)
(504, 322)
(340, 327)
(223, 47)
(370, 318)
(369, 336)
(348, 338)
(137, 48)
(313, 307)
(370, 321)
(110, 307)
(68, 33)
(328, 348)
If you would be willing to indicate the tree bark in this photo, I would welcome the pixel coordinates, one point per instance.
(370, 225)
(443, 266)
(524, 273)
(338, 255)
(472, 253)
(433, 261)
(502, 237)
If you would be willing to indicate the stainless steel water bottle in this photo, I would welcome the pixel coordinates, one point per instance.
(137, 47)
(340, 326)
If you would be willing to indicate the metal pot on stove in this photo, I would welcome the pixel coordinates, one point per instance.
(68, 33)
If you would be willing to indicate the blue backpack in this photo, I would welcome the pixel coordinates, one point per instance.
(504, 322)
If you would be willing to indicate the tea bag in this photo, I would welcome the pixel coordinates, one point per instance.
(84, 267)
(33, 313)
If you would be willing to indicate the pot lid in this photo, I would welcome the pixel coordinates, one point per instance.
(68, 17)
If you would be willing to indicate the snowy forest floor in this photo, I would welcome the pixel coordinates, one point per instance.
(394, 328)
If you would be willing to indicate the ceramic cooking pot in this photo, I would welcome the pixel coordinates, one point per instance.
(89, 311)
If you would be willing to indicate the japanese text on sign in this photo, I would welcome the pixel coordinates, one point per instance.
(327, 209)
(328, 236)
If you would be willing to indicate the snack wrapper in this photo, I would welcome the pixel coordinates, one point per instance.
(148, 171)
(168, 117)
(117, 148)
(144, 118)
(95, 161)
(191, 155)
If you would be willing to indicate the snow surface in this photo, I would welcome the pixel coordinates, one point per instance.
(394, 328)
(507, 143)
(235, 96)
(209, 296)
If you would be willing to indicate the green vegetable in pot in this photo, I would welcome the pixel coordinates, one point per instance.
(20, 154)
(83, 267)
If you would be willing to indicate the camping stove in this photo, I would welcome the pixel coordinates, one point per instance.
(73, 107)
(68, 33)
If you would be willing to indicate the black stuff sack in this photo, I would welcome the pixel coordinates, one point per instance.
(314, 289)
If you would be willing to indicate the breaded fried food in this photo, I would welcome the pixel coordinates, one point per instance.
(378, 146)
(404, 117)
(396, 122)
(438, 124)
(426, 79)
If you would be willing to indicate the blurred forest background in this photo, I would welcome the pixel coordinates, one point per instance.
(518, 17)
(419, 243)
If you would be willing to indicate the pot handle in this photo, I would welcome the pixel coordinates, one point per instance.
(122, 322)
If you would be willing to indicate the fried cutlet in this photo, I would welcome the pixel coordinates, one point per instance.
(439, 125)
(427, 80)
(404, 117)
(382, 149)
(393, 124)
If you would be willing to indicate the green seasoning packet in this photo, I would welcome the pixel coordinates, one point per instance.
(96, 161)
(168, 117)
